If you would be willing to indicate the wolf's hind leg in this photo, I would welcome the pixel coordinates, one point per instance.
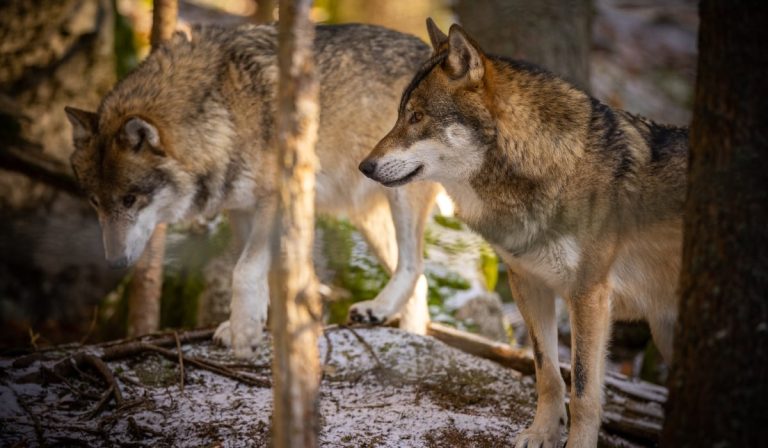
(406, 290)
(250, 291)
(537, 305)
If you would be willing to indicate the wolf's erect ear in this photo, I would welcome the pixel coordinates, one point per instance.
(436, 36)
(84, 123)
(139, 133)
(465, 59)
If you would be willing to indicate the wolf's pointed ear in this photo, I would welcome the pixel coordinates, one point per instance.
(139, 133)
(84, 123)
(182, 35)
(465, 59)
(436, 36)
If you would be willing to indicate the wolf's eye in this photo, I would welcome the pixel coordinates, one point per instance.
(94, 201)
(129, 200)
(415, 117)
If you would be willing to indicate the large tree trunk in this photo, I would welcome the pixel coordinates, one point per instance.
(555, 34)
(719, 381)
(52, 269)
(295, 311)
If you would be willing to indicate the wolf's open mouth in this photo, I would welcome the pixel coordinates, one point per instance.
(405, 179)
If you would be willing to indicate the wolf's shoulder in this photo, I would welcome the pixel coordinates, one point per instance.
(663, 140)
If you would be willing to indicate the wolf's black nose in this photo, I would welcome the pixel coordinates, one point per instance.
(118, 263)
(367, 166)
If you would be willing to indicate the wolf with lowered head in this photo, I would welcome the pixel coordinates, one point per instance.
(190, 133)
(579, 200)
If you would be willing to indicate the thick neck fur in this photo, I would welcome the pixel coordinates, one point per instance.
(562, 163)
(540, 130)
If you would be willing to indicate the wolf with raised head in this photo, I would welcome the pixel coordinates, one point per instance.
(190, 133)
(579, 200)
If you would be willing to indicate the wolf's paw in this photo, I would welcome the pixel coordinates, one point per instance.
(583, 436)
(532, 438)
(222, 335)
(368, 312)
(241, 337)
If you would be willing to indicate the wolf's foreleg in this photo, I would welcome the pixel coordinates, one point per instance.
(537, 305)
(590, 313)
(410, 207)
(250, 291)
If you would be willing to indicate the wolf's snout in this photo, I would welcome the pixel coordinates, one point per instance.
(118, 263)
(368, 167)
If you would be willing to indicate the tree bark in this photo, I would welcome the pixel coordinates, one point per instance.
(146, 286)
(554, 34)
(719, 381)
(265, 10)
(295, 303)
(164, 13)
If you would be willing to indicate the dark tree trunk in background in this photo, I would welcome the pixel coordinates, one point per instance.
(719, 381)
(295, 309)
(52, 54)
(555, 34)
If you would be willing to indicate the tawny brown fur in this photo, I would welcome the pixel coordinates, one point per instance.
(190, 133)
(580, 201)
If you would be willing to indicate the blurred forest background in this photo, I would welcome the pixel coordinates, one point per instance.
(55, 287)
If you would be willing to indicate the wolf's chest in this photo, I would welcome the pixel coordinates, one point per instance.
(554, 262)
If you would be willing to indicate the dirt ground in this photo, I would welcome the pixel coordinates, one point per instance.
(381, 388)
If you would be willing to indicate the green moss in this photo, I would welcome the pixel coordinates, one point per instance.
(354, 268)
(155, 371)
(489, 266)
(449, 222)
(183, 279)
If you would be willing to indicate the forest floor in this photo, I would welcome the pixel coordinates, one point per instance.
(381, 387)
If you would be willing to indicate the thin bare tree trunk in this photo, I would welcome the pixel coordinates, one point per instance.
(265, 10)
(146, 285)
(719, 380)
(295, 310)
(164, 15)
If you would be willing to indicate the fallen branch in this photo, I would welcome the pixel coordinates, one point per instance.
(504, 354)
(365, 344)
(210, 366)
(102, 403)
(522, 361)
(642, 418)
(131, 347)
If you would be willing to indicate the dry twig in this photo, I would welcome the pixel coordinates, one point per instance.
(365, 344)
(181, 362)
(210, 366)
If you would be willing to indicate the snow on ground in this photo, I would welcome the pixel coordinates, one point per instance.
(415, 392)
